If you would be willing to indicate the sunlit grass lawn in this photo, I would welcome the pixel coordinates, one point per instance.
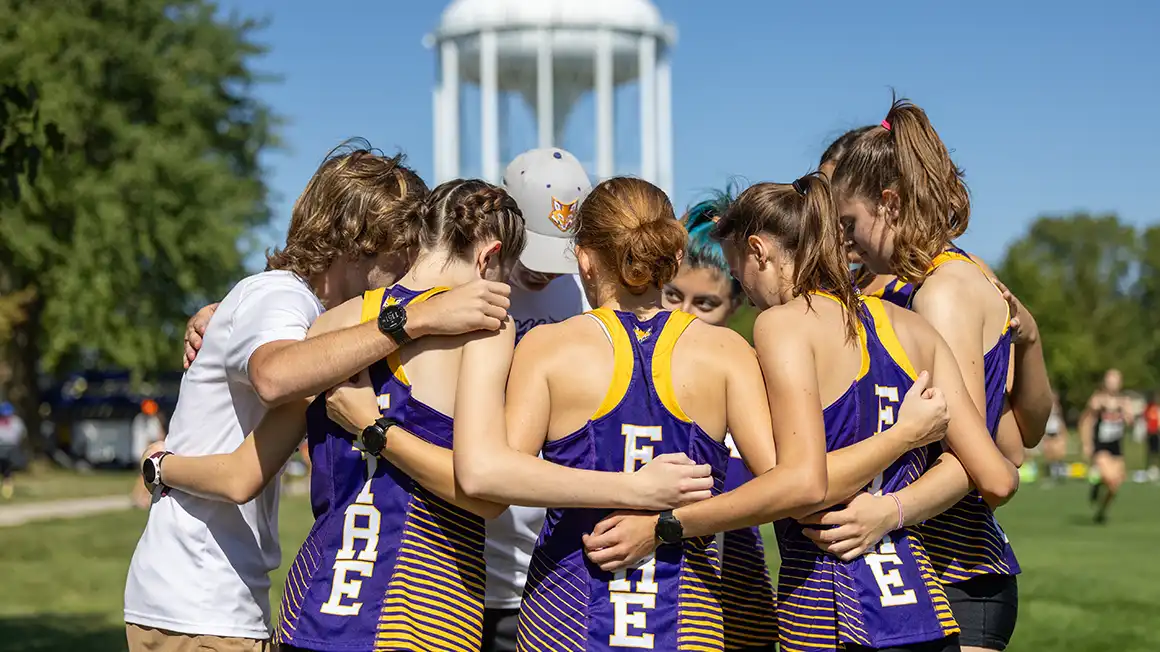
(1084, 588)
(43, 481)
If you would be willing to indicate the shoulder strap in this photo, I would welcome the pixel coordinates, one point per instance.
(662, 361)
(622, 360)
(372, 303)
(888, 337)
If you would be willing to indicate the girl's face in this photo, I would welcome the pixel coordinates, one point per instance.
(870, 233)
(755, 264)
(704, 292)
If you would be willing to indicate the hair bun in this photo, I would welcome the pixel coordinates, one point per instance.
(651, 253)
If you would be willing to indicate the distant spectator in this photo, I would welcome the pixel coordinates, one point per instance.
(12, 433)
(147, 430)
(1152, 431)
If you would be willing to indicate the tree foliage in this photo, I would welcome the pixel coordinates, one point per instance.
(130, 153)
(1093, 284)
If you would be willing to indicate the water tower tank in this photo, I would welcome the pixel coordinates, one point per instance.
(551, 52)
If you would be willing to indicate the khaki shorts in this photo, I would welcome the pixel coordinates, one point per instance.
(149, 639)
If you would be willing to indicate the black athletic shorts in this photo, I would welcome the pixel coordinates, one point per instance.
(499, 630)
(986, 608)
(1154, 443)
(948, 644)
(1113, 448)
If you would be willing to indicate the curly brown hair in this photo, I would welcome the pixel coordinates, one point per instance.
(358, 203)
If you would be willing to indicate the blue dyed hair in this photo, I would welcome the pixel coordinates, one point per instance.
(704, 252)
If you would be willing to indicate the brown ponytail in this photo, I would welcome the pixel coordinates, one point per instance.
(905, 154)
(803, 218)
(630, 225)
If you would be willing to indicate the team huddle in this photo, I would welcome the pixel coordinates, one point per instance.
(589, 475)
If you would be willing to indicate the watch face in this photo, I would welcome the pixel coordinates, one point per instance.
(149, 471)
(392, 319)
(374, 439)
(669, 530)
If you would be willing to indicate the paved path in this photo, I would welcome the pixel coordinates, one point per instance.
(12, 515)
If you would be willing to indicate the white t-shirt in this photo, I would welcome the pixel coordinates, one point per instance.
(512, 535)
(201, 566)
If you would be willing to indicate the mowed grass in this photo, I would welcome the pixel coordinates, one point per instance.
(43, 481)
(1084, 587)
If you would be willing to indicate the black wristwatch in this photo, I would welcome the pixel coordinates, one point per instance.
(151, 469)
(669, 530)
(393, 323)
(374, 436)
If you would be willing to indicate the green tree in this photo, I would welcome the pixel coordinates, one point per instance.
(1078, 274)
(138, 212)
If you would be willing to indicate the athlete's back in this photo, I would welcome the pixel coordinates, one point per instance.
(354, 583)
(390, 563)
(966, 541)
(623, 391)
(888, 597)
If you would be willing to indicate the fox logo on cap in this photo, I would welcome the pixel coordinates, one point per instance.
(561, 214)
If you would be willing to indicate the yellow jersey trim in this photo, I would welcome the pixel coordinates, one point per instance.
(863, 344)
(394, 361)
(622, 361)
(888, 336)
(372, 303)
(662, 362)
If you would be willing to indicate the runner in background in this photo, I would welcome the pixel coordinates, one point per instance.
(548, 186)
(1102, 428)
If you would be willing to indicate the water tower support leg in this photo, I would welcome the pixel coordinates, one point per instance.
(605, 163)
(665, 123)
(648, 108)
(489, 106)
(545, 115)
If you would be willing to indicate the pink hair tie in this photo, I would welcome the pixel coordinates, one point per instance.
(898, 502)
(886, 125)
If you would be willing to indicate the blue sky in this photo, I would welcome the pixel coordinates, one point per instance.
(1049, 106)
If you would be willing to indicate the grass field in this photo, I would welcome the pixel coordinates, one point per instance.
(42, 481)
(1084, 588)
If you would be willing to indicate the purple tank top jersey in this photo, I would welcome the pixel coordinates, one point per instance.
(387, 565)
(890, 596)
(966, 540)
(897, 292)
(747, 598)
(669, 602)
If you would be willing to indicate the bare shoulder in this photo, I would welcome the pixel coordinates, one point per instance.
(785, 326)
(341, 316)
(544, 340)
(717, 346)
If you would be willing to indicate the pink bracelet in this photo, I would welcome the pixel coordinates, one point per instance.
(900, 515)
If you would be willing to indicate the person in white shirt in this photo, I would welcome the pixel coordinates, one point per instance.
(12, 433)
(548, 185)
(199, 576)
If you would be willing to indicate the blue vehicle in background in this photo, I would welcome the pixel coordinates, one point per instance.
(87, 418)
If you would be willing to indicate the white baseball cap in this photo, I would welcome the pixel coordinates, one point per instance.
(548, 185)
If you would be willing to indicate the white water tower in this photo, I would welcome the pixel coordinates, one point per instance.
(551, 52)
